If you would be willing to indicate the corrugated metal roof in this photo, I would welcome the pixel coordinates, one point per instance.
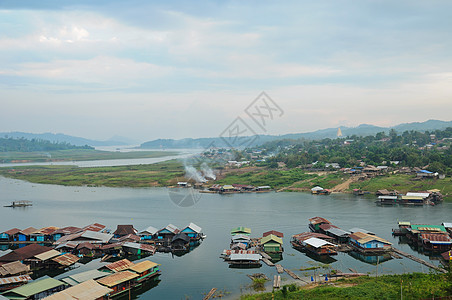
(48, 255)
(47, 230)
(67, 230)
(85, 276)
(402, 223)
(28, 230)
(317, 220)
(99, 236)
(66, 259)
(306, 235)
(337, 231)
(88, 290)
(12, 231)
(447, 225)
(143, 266)
(364, 238)
(356, 229)
(270, 238)
(428, 227)
(144, 247)
(423, 195)
(125, 229)
(15, 279)
(240, 237)
(35, 287)
(150, 230)
(13, 268)
(388, 197)
(241, 229)
(274, 232)
(117, 278)
(119, 265)
(193, 227)
(94, 227)
(240, 256)
(316, 243)
(437, 238)
(171, 228)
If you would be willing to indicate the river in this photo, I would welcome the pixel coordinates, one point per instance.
(189, 276)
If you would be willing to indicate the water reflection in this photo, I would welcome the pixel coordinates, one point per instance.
(370, 259)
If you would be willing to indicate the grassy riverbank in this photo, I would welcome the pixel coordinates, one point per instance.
(412, 286)
(77, 155)
(159, 174)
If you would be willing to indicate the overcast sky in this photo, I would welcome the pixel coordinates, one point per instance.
(175, 69)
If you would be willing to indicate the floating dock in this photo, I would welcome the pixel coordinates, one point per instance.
(210, 294)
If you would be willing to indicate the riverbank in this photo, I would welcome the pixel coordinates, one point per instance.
(168, 173)
(406, 286)
(77, 155)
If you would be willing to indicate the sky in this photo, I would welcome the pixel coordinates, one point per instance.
(177, 69)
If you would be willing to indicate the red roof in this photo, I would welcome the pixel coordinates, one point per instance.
(318, 220)
(12, 231)
(24, 253)
(274, 232)
(307, 235)
(327, 226)
(28, 231)
(120, 265)
(94, 227)
(436, 237)
(67, 230)
(125, 229)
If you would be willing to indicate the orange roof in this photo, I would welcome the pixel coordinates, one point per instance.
(117, 278)
(120, 265)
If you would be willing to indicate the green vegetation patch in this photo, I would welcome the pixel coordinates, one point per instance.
(159, 174)
(412, 286)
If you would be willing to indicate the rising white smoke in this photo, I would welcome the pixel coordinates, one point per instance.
(192, 173)
(207, 171)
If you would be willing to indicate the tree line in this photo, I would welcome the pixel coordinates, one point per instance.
(24, 145)
(410, 148)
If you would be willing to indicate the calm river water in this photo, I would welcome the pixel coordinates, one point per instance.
(195, 273)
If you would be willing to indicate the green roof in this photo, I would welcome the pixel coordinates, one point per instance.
(271, 238)
(241, 229)
(33, 288)
(428, 227)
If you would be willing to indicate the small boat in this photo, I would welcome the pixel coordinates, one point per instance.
(22, 203)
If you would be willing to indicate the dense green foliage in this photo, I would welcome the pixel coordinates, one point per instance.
(411, 148)
(24, 145)
(412, 286)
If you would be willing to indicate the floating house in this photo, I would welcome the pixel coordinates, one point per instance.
(193, 231)
(41, 260)
(9, 235)
(241, 230)
(88, 290)
(43, 234)
(319, 247)
(167, 233)
(249, 260)
(138, 249)
(37, 289)
(145, 270)
(86, 236)
(65, 260)
(148, 233)
(123, 230)
(314, 223)
(57, 234)
(356, 229)
(272, 244)
(448, 227)
(24, 235)
(436, 242)
(264, 188)
(387, 200)
(368, 243)
(120, 282)
(180, 242)
(412, 200)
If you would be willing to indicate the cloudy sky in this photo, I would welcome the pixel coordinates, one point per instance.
(175, 69)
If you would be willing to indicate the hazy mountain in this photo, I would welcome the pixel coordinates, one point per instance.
(59, 137)
(361, 130)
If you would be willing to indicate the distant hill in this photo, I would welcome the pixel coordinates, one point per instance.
(361, 130)
(62, 138)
